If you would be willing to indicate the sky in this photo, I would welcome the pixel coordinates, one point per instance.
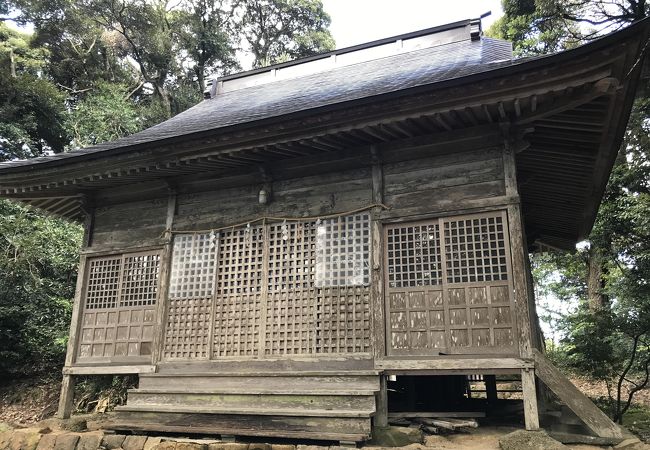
(358, 21)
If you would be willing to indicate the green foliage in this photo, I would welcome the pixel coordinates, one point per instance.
(38, 264)
(533, 29)
(279, 30)
(33, 112)
(104, 115)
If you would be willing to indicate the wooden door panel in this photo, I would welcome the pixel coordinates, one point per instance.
(449, 287)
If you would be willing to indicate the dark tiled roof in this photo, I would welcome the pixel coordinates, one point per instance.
(348, 83)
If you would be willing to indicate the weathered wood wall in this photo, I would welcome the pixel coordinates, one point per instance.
(415, 183)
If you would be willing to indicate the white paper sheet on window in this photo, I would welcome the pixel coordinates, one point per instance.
(193, 266)
(343, 251)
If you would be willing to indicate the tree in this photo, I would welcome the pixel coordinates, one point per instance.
(33, 111)
(103, 115)
(207, 33)
(38, 264)
(532, 29)
(278, 30)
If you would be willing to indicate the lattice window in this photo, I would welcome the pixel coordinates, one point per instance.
(188, 328)
(343, 251)
(343, 320)
(414, 256)
(475, 250)
(140, 280)
(119, 307)
(241, 261)
(448, 286)
(237, 321)
(193, 266)
(240, 277)
(290, 303)
(102, 289)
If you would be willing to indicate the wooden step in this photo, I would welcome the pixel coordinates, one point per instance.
(273, 382)
(267, 401)
(262, 373)
(257, 391)
(298, 412)
(320, 428)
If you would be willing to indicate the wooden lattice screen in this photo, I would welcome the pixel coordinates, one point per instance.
(191, 285)
(118, 307)
(449, 286)
(264, 299)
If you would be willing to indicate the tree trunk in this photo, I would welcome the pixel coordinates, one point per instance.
(163, 96)
(595, 281)
(12, 58)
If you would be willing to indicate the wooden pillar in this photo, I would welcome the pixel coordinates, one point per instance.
(518, 250)
(490, 388)
(165, 270)
(67, 397)
(381, 416)
(67, 385)
(377, 279)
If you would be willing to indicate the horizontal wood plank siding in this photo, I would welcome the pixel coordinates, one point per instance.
(443, 181)
(308, 196)
(127, 225)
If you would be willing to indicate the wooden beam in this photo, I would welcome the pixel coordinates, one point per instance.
(377, 254)
(596, 420)
(605, 86)
(451, 363)
(165, 273)
(108, 370)
(433, 414)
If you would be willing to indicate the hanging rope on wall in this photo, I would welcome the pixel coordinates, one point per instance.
(267, 219)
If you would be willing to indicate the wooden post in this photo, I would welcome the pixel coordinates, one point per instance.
(531, 414)
(67, 385)
(67, 397)
(165, 270)
(377, 282)
(520, 283)
(381, 416)
(490, 388)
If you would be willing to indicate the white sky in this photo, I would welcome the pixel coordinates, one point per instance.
(359, 21)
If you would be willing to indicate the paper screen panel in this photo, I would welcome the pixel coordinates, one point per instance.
(343, 251)
(193, 266)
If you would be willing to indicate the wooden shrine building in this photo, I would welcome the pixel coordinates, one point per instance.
(269, 258)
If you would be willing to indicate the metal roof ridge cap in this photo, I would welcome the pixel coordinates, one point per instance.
(352, 48)
(467, 39)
